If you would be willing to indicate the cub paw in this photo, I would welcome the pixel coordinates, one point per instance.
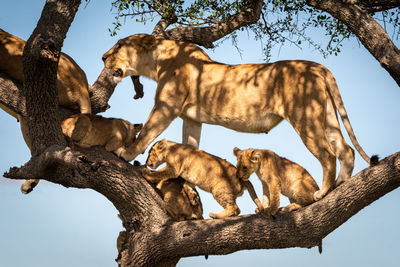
(319, 195)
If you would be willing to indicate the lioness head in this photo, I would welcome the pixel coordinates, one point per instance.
(157, 154)
(130, 56)
(248, 161)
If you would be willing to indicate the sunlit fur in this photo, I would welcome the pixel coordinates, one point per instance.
(247, 98)
(278, 175)
(181, 201)
(86, 130)
(208, 172)
(72, 84)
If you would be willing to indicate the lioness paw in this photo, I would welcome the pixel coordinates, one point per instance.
(126, 155)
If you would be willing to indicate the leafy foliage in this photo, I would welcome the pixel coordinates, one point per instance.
(282, 21)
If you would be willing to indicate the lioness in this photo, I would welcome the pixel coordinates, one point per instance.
(182, 201)
(208, 172)
(278, 175)
(72, 84)
(87, 130)
(247, 98)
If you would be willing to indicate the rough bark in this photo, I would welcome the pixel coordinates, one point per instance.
(374, 38)
(152, 237)
(40, 61)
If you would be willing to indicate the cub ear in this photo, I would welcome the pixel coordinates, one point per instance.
(146, 42)
(255, 156)
(162, 145)
(235, 151)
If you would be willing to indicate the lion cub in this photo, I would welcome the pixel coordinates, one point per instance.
(86, 130)
(278, 175)
(198, 168)
(181, 200)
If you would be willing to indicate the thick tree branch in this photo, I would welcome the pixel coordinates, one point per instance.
(103, 172)
(205, 36)
(379, 5)
(303, 228)
(11, 96)
(122, 184)
(368, 31)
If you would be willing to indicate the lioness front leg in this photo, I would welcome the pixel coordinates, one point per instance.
(160, 117)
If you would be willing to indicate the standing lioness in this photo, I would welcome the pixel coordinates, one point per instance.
(278, 175)
(208, 172)
(247, 98)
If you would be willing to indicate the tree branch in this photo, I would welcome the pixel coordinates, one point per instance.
(368, 31)
(102, 171)
(379, 5)
(205, 36)
(303, 228)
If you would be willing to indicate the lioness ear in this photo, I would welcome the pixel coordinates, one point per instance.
(235, 151)
(146, 42)
(255, 156)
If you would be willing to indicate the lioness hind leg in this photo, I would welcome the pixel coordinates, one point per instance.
(342, 150)
(320, 148)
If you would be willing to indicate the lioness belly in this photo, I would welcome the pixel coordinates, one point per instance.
(251, 123)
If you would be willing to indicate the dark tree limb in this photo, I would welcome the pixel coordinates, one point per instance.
(367, 29)
(40, 61)
(205, 36)
(379, 5)
(152, 237)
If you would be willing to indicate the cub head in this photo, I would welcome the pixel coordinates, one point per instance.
(131, 56)
(157, 154)
(248, 161)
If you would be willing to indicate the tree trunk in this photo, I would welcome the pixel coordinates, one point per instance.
(367, 30)
(40, 61)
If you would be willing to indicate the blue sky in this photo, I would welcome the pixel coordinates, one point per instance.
(57, 226)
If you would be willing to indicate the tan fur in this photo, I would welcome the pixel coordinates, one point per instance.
(86, 130)
(182, 202)
(278, 175)
(72, 84)
(210, 173)
(247, 98)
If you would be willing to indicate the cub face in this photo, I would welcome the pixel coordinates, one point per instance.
(157, 154)
(128, 54)
(248, 161)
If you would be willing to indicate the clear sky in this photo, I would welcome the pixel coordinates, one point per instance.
(57, 226)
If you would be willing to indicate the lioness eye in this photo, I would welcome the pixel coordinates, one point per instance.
(244, 168)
